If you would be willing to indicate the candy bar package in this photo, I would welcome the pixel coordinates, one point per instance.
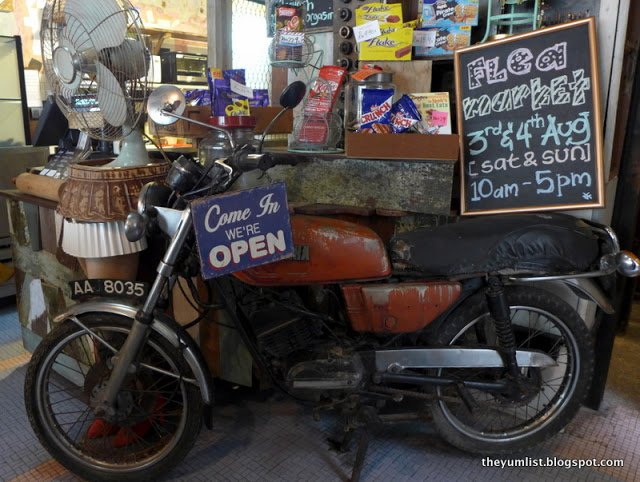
(376, 111)
(212, 75)
(382, 12)
(236, 74)
(404, 115)
(446, 13)
(289, 18)
(325, 90)
(386, 28)
(289, 37)
(317, 118)
(197, 97)
(394, 45)
(447, 40)
(435, 111)
(314, 129)
(225, 101)
(260, 98)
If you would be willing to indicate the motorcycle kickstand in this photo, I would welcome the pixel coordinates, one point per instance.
(362, 422)
(361, 453)
(341, 445)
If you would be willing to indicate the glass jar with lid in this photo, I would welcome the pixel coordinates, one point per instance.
(374, 79)
(216, 145)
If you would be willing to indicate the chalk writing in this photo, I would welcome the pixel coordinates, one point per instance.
(528, 121)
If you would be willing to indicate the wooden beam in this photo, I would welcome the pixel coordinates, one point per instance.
(219, 34)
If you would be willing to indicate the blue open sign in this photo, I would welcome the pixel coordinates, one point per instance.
(243, 229)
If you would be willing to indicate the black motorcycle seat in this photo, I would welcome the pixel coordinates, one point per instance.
(548, 243)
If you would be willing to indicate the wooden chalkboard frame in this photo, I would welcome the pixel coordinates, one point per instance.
(596, 108)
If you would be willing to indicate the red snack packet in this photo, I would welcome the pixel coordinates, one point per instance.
(324, 91)
(289, 18)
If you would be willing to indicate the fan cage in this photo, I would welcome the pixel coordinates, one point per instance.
(128, 62)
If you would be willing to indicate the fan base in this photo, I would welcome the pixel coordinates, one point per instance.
(105, 193)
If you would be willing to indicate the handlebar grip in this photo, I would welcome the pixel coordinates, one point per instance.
(249, 162)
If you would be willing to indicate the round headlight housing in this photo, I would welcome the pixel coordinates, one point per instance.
(184, 174)
(152, 195)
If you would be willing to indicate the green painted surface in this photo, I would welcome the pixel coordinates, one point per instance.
(414, 186)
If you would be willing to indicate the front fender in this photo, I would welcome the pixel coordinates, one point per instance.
(164, 326)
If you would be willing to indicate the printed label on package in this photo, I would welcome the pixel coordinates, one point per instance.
(446, 13)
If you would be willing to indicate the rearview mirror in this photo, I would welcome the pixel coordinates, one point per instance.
(293, 94)
(166, 98)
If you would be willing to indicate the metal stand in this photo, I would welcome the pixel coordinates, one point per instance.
(362, 422)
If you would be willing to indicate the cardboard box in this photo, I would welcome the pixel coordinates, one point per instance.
(183, 128)
(439, 13)
(414, 147)
(264, 115)
(447, 40)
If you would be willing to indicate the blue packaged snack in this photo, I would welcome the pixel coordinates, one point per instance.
(404, 115)
(227, 102)
(221, 96)
(376, 111)
(260, 98)
(236, 74)
(197, 97)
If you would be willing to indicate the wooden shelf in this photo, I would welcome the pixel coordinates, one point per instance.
(159, 35)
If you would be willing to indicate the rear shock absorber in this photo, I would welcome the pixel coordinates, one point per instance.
(501, 314)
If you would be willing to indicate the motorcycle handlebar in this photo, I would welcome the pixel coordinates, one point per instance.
(249, 162)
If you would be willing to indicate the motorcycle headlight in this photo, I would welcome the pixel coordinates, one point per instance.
(151, 195)
(184, 174)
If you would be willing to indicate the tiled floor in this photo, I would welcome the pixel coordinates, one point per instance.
(278, 440)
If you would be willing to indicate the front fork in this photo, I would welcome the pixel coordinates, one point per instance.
(123, 362)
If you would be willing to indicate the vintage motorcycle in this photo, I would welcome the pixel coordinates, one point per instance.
(448, 319)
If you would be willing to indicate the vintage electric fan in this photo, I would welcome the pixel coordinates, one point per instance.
(96, 63)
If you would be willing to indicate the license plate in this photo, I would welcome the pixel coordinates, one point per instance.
(108, 288)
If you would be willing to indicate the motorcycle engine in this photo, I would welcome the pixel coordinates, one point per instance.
(280, 332)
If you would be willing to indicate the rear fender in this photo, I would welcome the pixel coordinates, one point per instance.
(585, 288)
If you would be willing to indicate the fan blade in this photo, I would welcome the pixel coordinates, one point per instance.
(129, 60)
(105, 21)
(111, 98)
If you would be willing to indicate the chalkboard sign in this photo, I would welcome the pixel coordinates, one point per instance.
(529, 121)
(318, 16)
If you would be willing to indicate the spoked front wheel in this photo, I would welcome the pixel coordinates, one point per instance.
(551, 396)
(159, 414)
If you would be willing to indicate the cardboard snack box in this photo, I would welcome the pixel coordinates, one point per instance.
(416, 147)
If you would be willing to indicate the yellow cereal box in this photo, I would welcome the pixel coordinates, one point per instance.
(382, 12)
(391, 46)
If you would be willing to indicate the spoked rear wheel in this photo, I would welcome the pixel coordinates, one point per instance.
(501, 423)
(159, 414)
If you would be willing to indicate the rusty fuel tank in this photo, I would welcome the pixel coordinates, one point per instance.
(398, 307)
(327, 251)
